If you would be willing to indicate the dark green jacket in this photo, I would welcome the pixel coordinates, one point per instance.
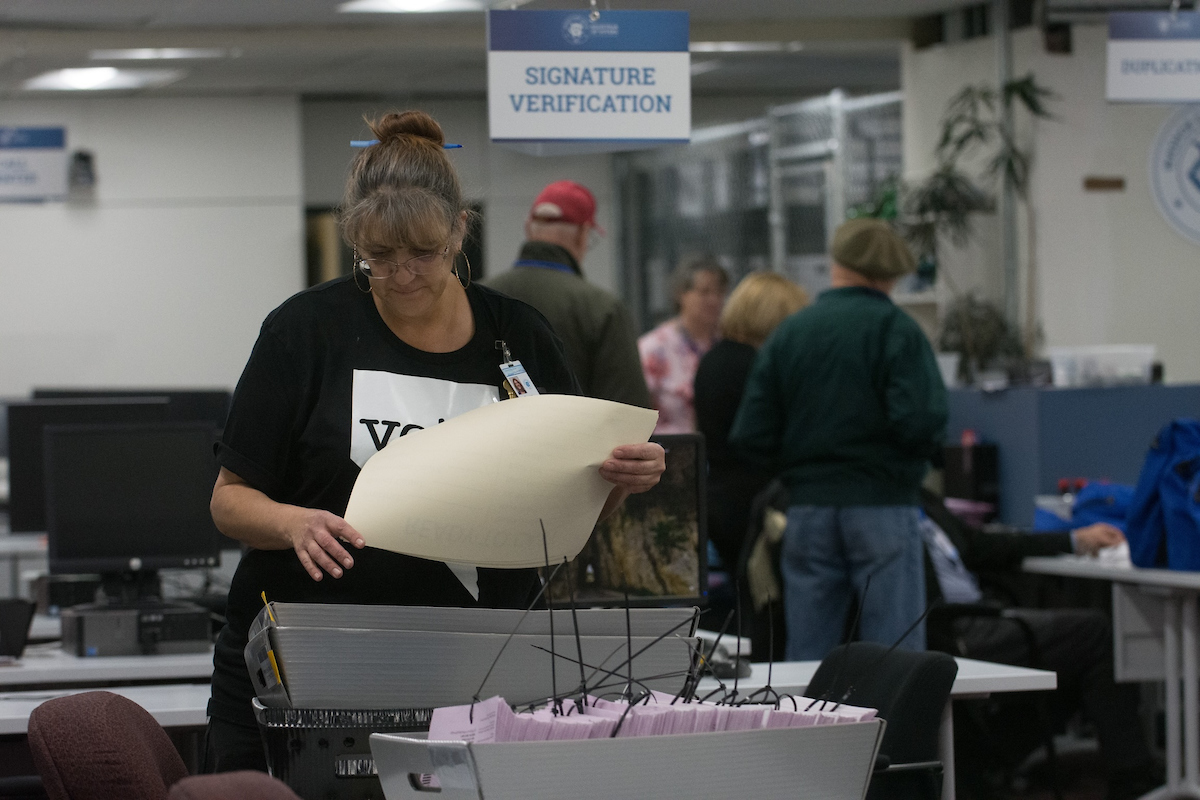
(845, 403)
(595, 329)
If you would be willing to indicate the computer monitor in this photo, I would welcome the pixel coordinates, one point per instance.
(655, 547)
(185, 405)
(26, 421)
(128, 500)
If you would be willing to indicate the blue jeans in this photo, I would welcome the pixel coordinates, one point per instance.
(827, 555)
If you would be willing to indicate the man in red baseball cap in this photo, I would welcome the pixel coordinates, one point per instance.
(566, 201)
(596, 330)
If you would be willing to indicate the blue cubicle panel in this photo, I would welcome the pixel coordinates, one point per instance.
(1047, 434)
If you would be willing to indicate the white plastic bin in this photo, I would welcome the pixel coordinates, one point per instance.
(1101, 365)
(948, 366)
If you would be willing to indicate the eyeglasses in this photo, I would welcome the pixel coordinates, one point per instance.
(417, 265)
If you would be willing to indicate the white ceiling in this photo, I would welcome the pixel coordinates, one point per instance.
(307, 47)
(141, 14)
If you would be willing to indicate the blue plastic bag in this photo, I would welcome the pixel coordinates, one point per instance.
(1098, 501)
(1163, 528)
(1047, 521)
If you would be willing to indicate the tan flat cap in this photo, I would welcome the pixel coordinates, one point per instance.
(871, 247)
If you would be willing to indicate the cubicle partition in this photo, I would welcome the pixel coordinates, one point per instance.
(1044, 434)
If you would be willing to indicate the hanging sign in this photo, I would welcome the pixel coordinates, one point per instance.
(1154, 56)
(1175, 171)
(620, 77)
(33, 163)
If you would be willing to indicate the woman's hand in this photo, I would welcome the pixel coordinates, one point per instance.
(635, 468)
(244, 513)
(316, 541)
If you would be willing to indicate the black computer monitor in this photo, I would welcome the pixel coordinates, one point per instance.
(26, 421)
(128, 500)
(655, 547)
(185, 405)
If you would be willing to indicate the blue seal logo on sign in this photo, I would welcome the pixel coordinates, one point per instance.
(577, 28)
(1175, 171)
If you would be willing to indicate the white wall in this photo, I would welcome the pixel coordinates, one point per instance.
(194, 234)
(1111, 269)
(929, 78)
(504, 181)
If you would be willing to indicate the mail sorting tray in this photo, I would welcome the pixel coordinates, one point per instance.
(323, 754)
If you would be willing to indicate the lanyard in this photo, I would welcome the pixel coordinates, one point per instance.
(516, 380)
(554, 265)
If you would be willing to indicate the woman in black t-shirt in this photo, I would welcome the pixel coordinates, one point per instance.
(338, 371)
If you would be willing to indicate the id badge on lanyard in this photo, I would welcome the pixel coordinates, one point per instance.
(516, 380)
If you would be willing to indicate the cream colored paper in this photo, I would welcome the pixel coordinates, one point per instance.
(472, 489)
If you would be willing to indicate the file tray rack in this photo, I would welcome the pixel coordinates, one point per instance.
(315, 718)
(418, 657)
(826, 762)
(323, 753)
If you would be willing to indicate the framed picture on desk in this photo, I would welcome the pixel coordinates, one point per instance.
(655, 546)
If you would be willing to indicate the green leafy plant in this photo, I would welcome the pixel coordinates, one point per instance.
(976, 327)
(974, 124)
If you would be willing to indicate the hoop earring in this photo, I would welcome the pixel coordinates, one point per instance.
(354, 273)
(468, 263)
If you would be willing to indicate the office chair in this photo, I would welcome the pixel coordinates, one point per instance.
(940, 636)
(243, 785)
(910, 690)
(101, 745)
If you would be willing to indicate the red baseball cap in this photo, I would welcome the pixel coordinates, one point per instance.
(566, 201)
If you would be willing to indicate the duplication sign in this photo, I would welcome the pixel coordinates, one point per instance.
(33, 163)
(1154, 56)
(561, 76)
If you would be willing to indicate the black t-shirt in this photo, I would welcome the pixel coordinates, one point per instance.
(327, 385)
(720, 381)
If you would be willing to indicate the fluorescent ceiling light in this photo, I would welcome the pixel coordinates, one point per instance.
(745, 47)
(410, 6)
(160, 53)
(101, 78)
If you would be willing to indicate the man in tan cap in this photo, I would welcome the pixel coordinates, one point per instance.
(595, 328)
(845, 403)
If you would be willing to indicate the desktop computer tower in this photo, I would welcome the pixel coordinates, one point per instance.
(152, 629)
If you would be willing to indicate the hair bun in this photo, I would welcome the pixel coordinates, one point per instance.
(407, 123)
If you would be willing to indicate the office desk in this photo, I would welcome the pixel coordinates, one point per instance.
(45, 666)
(1177, 592)
(181, 705)
(975, 679)
(185, 704)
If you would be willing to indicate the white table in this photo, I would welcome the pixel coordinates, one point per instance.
(975, 679)
(172, 705)
(1178, 592)
(47, 665)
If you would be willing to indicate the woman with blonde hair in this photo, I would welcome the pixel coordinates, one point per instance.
(405, 342)
(754, 309)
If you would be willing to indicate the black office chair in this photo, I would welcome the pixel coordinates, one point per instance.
(910, 690)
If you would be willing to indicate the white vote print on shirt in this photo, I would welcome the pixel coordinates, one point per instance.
(385, 406)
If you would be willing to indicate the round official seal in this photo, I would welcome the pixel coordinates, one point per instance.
(1175, 171)
(576, 28)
